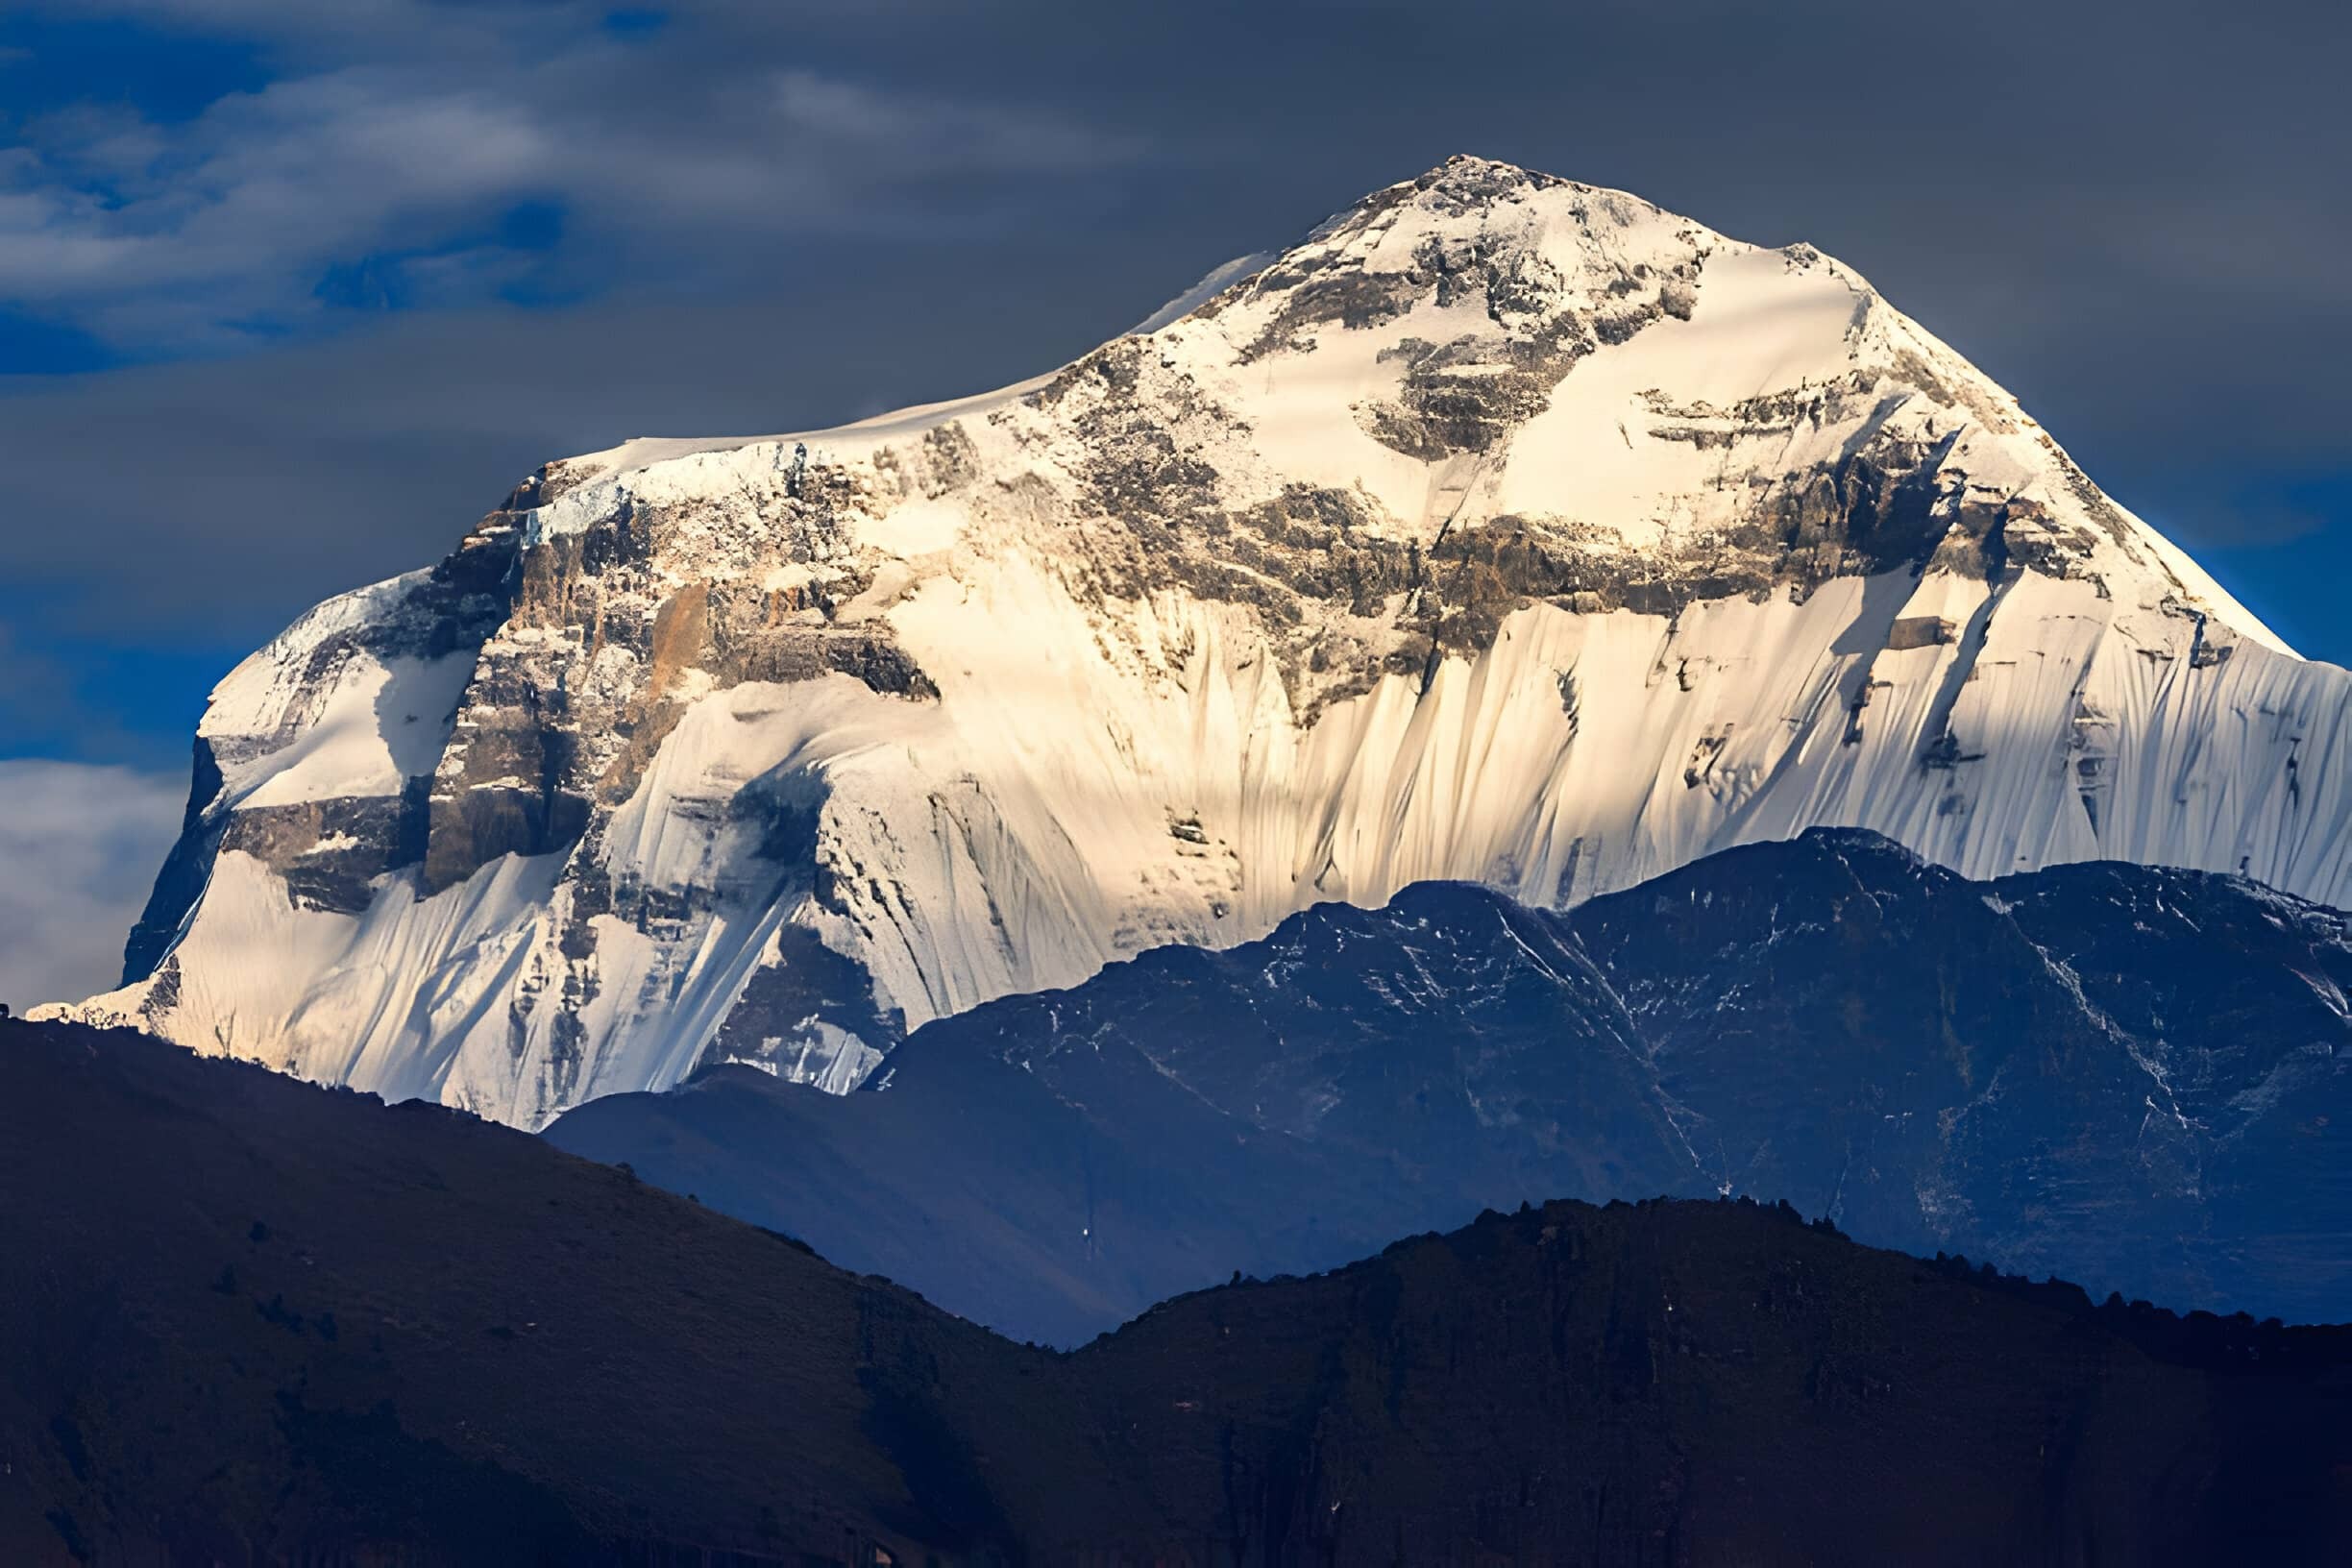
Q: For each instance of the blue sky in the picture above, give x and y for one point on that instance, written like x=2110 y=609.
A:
x=291 y=292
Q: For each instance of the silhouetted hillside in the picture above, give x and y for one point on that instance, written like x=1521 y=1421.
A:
x=252 y=1320
x=251 y=1315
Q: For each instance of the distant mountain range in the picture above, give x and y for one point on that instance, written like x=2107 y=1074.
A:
x=2133 y=1078
x=1501 y=528
x=254 y=1321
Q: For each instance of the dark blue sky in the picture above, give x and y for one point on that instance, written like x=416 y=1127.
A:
x=290 y=292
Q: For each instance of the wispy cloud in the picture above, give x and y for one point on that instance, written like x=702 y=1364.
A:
x=405 y=133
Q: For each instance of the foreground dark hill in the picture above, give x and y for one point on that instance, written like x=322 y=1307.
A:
x=251 y=1318
x=255 y=1321
x=2135 y=1077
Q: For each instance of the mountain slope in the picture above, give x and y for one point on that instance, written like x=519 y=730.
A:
x=2135 y=1078
x=1505 y=530
x=273 y=1323
x=1052 y=1164
x=2132 y=1076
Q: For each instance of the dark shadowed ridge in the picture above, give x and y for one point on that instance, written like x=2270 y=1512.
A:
x=254 y=1321
x=2133 y=1077
x=1051 y=1164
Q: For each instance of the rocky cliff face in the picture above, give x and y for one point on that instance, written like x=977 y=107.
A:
x=1506 y=530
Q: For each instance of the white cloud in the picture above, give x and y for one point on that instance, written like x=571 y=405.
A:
x=405 y=131
x=78 y=848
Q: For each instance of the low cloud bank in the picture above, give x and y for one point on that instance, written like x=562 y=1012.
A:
x=78 y=848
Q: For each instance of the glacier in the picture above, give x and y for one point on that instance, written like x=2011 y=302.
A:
x=1504 y=528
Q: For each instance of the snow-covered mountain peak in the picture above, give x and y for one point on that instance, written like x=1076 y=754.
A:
x=1501 y=528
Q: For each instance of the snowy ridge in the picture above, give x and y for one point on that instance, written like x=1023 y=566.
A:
x=1507 y=530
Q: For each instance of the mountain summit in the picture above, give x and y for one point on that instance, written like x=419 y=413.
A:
x=1504 y=528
